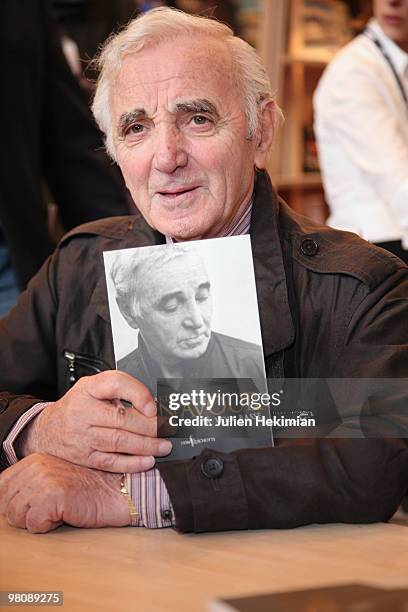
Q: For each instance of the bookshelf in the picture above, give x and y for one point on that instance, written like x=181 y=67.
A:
x=297 y=39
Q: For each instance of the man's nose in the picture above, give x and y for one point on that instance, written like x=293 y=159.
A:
x=193 y=317
x=170 y=152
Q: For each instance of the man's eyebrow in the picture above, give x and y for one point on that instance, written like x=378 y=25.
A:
x=128 y=118
x=200 y=105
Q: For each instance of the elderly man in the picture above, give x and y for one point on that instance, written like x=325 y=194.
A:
x=165 y=293
x=188 y=113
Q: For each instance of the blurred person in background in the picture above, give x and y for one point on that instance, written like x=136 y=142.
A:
x=225 y=11
x=49 y=136
x=361 y=125
x=86 y=24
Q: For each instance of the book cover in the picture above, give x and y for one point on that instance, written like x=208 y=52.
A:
x=185 y=322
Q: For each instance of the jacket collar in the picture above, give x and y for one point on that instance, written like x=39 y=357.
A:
x=275 y=315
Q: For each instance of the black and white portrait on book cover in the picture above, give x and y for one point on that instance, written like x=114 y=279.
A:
x=185 y=310
x=185 y=318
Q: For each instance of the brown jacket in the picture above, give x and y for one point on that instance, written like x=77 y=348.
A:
x=330 y=305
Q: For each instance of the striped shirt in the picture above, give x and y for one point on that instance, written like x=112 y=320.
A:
x=147 y=489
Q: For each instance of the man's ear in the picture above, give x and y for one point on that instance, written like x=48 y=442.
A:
x=269 y=121
x=130 y=320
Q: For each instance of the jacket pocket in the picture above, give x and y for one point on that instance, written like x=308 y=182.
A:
x=83 y=365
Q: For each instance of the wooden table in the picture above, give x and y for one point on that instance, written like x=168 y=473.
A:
x=137 y=569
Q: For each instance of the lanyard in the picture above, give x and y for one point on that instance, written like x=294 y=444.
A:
x=385 y=55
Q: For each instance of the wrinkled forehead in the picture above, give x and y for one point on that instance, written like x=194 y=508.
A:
x=182 y=67
x=186 y=272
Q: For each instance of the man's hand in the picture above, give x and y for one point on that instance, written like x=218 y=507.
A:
x=90 y=426
x=41 y=492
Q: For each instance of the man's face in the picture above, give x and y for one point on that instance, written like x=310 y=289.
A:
x=392 y=16
x=175 y=310
x=180 y=134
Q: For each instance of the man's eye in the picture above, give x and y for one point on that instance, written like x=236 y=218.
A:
x=170 y=306
x=203 y=296
x=136 y=128
x=200 y=120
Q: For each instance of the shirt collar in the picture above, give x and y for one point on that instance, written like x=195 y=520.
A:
x=237 y=227
x=398 y=57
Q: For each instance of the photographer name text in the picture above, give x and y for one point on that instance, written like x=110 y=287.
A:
x=255 y=420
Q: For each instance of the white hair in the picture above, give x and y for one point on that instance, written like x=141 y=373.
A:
x=164 y=24
x=130 y=268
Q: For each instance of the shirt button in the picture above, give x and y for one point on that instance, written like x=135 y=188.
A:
x=166 y=515
x=309 y=247
x=212 y=468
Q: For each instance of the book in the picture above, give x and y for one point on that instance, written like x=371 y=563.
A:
x=343 y=598
x=185 y=322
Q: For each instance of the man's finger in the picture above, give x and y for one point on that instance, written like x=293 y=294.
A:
x=37 y=521
x=9 y=485
x=16 y=511
x=113 y=384
x=118 y=417
x=149 y=410
x=118 y=441
x=9 y=475
x=113 y=462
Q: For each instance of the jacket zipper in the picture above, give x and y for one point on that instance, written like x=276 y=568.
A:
x=93 y=364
